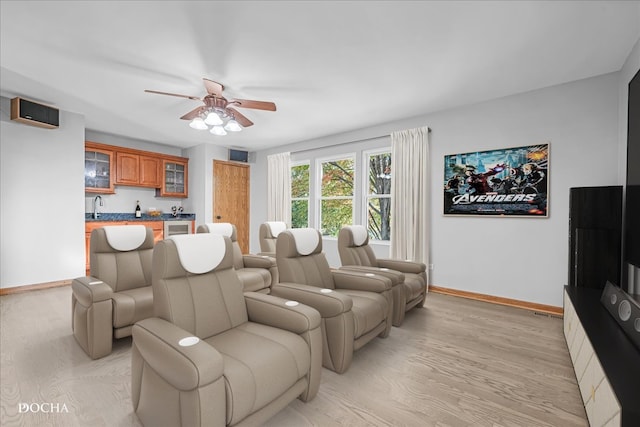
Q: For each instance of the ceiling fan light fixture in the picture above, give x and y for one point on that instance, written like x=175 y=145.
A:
x=218 y=130
x=218 y=110
x=233 y=126
x=222 y=113
x=213 y=119
x=198 y=123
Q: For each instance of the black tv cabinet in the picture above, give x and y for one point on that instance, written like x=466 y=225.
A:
x=606 y=363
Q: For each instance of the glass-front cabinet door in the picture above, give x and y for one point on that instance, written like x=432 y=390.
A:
x=174 y=181
x=98 y=170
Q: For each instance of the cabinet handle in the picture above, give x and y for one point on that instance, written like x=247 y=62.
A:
x=218 y=217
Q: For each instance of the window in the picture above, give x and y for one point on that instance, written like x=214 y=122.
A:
x=336 y=194
x=378 y=195
x=300 y=196
x=331 y=189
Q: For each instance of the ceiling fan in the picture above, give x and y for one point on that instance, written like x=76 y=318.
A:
x=218 y=110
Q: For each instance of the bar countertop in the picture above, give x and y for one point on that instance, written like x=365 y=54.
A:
x=106 y=216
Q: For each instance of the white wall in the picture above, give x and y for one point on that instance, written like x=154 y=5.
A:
x=201 y=179
x=42 y=210
x=519 y=258
x=524 y=258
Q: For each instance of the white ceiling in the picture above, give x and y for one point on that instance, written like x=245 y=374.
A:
x=330 y=66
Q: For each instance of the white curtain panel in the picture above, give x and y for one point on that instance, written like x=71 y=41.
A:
x=279 y=188
x=410 y=216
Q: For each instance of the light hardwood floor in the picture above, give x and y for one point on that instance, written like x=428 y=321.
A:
x=455 y=362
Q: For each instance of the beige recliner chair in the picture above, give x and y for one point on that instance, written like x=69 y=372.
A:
x=268 y=235
x=256 y=272
x=356 y=255
x=214 y=356
x=355 y=307
x=118 y=293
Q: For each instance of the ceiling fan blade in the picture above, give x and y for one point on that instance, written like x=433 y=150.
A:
x=193 y=113
x=173 y=94
x=257 y=105
x=242 y=120
x=213 y=88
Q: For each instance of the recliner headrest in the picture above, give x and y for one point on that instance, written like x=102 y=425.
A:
x=222 y=228
x=199 y=253
x=306 y=240
x=276 y=227
x=360 y=234
x=125 y=237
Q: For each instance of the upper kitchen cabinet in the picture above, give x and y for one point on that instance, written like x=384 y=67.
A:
x=138 y=170
x=99 y=167
x=174 y=183
x=107 y=166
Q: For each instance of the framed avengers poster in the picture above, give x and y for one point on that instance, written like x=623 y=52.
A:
x=503 y=182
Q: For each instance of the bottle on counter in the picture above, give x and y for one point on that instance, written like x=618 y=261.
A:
x=138 y=210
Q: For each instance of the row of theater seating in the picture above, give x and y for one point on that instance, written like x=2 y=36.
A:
x=210 y=350
x=356 y=254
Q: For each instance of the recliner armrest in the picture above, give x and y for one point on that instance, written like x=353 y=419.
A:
x=257 y=261
x=395 y=276
x=270 y=254
x=184 y=367
x=329 y=304
x=361 y=281
x=403 y=266
x=89 y=290
x=273 y=311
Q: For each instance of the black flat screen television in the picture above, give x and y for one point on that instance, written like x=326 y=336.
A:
x=632 y=199
x=632 y=231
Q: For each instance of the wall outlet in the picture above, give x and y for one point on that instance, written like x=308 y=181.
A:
x=430 y=266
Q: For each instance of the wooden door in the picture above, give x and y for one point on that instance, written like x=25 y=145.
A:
x=231 y=198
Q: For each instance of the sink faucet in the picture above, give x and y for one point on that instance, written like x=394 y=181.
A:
x=96 y=214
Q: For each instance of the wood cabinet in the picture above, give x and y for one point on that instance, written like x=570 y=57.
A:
x=107 y=166
x=127 y=168
x=150 y=171
x=137 y=170
x=174 y=178
x=156 y=226
x=99 y=168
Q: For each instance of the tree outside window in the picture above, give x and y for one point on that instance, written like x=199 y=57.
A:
x=379 y=196
x=300 y=196
x=336 y=195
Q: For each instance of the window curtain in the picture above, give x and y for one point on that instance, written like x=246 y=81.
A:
x=410 y=217
x=279 y=188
